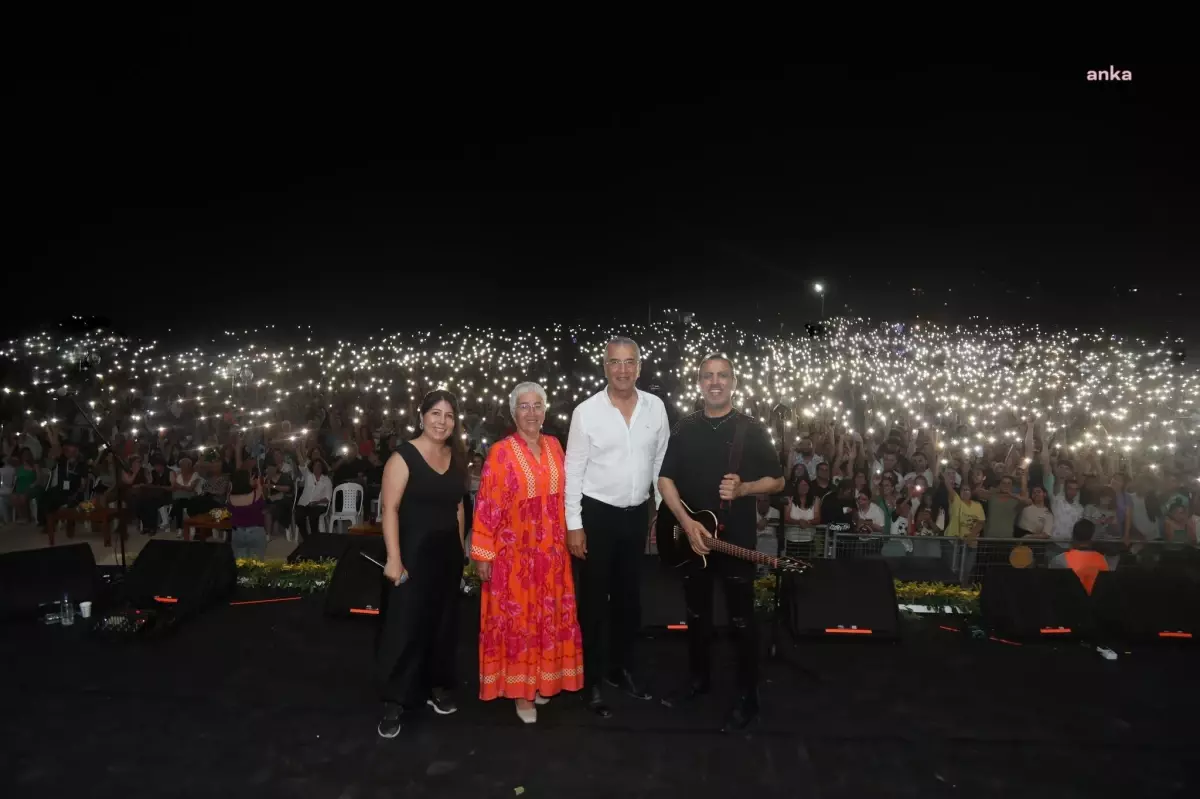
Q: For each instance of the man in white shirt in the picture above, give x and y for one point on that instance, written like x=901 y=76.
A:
x=921 y=468
x=1067 y=510
x=614 y=451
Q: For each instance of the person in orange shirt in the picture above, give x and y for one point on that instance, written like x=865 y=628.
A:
x=1081 y=558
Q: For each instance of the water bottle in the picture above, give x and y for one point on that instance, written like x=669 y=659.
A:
x=68 y=611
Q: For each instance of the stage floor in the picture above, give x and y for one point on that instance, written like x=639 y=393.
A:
x=277 y=700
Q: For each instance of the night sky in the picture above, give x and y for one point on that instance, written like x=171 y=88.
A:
x=198 y=198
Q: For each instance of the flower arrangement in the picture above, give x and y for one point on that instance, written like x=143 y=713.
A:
x=936 y=597
x=219 y=514
x=307 y=576
x=470 y=579
x=87 y=506
x=939 y=597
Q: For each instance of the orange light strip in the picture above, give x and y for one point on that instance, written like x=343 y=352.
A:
x=1003 y=641
x=365 y=611
x=266 y=601
x=1167 y=634
x=166 y=600
x=676 y=626
x=845 y=631
x=1055 y=630
x=948 y=629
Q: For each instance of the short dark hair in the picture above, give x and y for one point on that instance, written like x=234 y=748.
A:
x=714 y=356
x=240 y=482
x=1083 y=531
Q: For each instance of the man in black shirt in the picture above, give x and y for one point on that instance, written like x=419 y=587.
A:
x=697 y=470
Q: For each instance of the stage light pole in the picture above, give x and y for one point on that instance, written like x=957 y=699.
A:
x=820 y=289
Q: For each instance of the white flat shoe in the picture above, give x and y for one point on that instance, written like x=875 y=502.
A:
x=528 y=716
x=538 y=699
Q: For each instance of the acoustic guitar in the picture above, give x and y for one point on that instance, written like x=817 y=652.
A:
x=675 y=550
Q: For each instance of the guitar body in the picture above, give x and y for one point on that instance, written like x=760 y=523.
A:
x=673 y=547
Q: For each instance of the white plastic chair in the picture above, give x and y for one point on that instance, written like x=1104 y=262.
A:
x=292 y=533
x=351 y=506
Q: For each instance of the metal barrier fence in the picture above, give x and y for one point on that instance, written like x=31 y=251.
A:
x=967 y=562
x=947 y=559
x=993 y=553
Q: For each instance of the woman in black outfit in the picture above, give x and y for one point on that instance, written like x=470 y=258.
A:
x=422 y=498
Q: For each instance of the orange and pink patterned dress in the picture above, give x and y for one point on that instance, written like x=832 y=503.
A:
x=529 y=639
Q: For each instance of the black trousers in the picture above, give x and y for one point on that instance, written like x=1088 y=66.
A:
x=739 y=601
x=308 y=518
x=608 y=584
x=419 y=632
x=146 y=509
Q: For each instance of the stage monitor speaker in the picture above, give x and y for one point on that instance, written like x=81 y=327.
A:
x=663 y=605
x=356 y=588
x=184 y=576
x=841 y=598
x=33 y=577
x=1142 y=605
x=320 y=546
x=1036 y=603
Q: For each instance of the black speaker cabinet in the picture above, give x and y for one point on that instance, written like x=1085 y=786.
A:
x=321 y=546
x=356 y=588
x=33 y=577
x=1142 y=605
x=1036 y=603
x=186 y=576
x=843 y=598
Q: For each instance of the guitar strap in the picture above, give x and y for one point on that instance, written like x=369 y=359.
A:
x=741 y=424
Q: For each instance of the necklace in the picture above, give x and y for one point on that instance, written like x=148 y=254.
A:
x=724 y=419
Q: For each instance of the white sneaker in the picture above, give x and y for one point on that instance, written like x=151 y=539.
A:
x=529 y=716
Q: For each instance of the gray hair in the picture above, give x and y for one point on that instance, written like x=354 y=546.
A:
x=624 y=341
x=525 y=388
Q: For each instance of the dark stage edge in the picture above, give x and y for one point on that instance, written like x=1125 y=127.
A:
x=277 y=700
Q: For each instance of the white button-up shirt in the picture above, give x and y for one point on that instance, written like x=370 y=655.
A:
x=611 y=461
x=1065 y=516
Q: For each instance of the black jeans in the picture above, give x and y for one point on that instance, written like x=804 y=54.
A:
x=608 y=584
x=739 y=600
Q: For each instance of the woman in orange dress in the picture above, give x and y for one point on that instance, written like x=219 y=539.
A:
x=530 y=646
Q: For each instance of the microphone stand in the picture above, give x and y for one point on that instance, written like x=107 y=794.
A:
x=123 y=467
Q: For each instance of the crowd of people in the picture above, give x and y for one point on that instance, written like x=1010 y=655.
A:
x=1012 y=489
x=512 y=450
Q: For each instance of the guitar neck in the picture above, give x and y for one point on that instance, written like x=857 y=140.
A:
x=733 y=550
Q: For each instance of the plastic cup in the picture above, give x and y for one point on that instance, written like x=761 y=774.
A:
x=85 y=609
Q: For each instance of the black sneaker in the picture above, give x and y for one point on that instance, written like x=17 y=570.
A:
x=442 y=704
x=389 y=725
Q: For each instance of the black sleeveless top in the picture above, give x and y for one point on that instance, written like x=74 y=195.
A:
x=430 y=501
